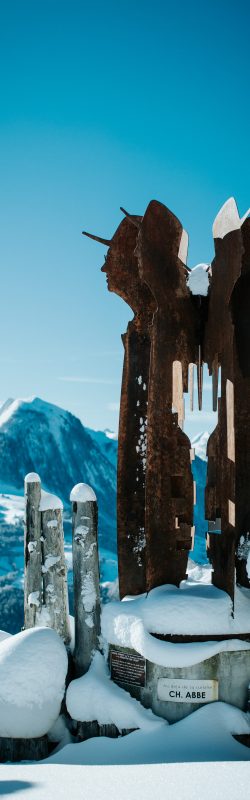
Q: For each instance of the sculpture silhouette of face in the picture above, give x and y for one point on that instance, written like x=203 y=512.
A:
x=121 y=268
x=157 y=249
x=120 y=263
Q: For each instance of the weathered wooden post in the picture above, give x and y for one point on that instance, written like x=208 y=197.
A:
x=32 y=550
x=54 y=572
x=86 y=575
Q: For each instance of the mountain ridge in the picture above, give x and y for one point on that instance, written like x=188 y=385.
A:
x=37 y=436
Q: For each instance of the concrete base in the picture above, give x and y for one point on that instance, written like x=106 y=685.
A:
x=230 y=669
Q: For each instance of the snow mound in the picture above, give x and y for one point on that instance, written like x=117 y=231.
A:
x=4 y=635
x=205 y=735
x=95 y=697
x=195 y=607
x=198 y=280
x=33 y=667
x=82 y=493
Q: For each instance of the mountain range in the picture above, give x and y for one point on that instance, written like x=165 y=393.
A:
x=36 y=436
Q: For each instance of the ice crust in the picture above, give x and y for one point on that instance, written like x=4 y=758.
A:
x=33 y=667
x=82 y=493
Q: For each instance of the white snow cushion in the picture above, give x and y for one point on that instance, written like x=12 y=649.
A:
x=33 y=667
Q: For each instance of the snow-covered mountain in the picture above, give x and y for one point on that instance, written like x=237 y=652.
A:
x=199 y=442
x=36 y=436
x=107 y=441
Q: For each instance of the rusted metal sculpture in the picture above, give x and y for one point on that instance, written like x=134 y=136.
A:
x=227 y=345
x=169 y=482
x=121 y=267
x=172 y=330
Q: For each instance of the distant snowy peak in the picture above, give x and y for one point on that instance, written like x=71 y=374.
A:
x=37 y=436
x=199 y=442
x=110 y=434
x=11 y=407
x=107 y=441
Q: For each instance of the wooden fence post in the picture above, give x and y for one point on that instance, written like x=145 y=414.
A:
x=86 y=575
x=54 y=572
x=32 y=550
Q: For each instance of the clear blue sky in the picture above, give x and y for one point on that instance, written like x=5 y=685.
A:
x=105 y=105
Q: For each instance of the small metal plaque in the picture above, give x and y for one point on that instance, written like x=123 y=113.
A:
x=127 y=668
x=185 y=691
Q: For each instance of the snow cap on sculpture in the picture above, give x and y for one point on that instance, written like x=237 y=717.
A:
x=82 y=493
x=228 y=219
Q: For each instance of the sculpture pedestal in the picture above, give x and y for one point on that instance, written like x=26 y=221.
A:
x=174 y=693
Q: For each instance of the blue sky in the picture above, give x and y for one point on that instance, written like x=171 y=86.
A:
x=102 y=106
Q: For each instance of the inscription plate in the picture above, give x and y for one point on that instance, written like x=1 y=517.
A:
x=185 y=691
x=127 y=668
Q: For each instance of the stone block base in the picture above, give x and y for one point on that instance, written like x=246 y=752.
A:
x=230 y=669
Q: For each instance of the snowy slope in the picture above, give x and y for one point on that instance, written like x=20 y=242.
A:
x=107 y=441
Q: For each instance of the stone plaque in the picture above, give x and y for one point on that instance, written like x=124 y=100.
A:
x=127 y=668
x=185 y=691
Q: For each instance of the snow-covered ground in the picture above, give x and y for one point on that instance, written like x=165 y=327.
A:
x=182 y=781
x=195 y=759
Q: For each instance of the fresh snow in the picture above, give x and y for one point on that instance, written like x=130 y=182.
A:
x=50 y=561
x=205 y=735
x=33 y=667
x=198 y=280
x=49 y=502
x=95 y=697
x=228 y=219
x=182 y=781
x=32 y=477
x=33 y=599
x=195 y=607
x=82 y=493
x=4 y=635
x=194 y=759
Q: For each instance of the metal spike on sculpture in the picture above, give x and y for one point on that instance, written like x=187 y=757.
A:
x=178 y=324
